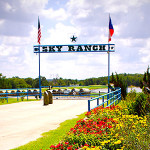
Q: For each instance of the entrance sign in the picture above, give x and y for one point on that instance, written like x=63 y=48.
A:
x=74 y=48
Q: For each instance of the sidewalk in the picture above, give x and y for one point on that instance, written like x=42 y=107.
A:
x=23 y=122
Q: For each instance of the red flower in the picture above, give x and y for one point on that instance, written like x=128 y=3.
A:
x=52 y=146
x=69 y=148
x=58 y=145
x=88 y=114
x=66 y=143
x=109 y=126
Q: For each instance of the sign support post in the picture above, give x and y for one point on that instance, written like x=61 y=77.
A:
x=40 y=94
x=108 y=67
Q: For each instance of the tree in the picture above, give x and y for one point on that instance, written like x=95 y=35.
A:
x=141 y=105
x=4 y=84
x=29 y=81
x=36 y=83
x=119 y=81
x=145 y=84
x=44 y=82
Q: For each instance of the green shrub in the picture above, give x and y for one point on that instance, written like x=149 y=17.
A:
x=2 y=100
x=131 y=96
x=140 y=106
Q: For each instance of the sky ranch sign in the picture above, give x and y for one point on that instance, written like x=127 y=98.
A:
x=74 y=48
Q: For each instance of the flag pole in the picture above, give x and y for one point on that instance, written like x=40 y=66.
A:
x=108 y=59
x=108 y=67
x=40 y=96
x=111 y=31
x=39 y=38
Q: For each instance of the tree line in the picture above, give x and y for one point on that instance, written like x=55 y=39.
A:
x=16 y=82
x=130 y=79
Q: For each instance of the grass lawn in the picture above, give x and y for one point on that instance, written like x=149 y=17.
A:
x=90 y=87
x=97 y=87
x=44 y=89
x=51 y=137
x=14 y=100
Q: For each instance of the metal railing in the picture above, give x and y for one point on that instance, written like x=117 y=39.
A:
x=20 y=92
x=107 y=99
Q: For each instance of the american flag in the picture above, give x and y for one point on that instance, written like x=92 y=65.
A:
x=111 y=30
x=39 y=31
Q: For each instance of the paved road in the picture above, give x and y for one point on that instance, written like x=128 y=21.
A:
x=26 y=121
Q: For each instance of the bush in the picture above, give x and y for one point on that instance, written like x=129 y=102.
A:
x=107 y=128
x=3 y=100
x=114 y=127
x=140 y=106
x=131 y=96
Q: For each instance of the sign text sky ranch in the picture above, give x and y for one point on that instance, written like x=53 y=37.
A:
x=74 y=48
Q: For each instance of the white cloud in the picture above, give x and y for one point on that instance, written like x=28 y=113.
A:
x=2 y=21
x=88 y=20
x=17 y=56
x=145 y=52
x=61 y=34
x=78 y=67
x=59 y=14
x=111 y=6
x=33 y=6
x=5 y=50
x=8 y=7
x=119 y=6
x=79 y=9
x=81 y=4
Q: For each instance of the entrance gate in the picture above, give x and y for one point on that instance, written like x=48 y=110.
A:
x=76 y=48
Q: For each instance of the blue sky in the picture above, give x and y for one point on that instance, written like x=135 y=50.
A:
x=88 y=20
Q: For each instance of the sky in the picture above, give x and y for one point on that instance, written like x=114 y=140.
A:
x=61 y=19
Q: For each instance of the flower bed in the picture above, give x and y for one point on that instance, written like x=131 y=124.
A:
x=107 y=128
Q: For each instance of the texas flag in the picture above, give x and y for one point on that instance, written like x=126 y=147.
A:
x=111 y=29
